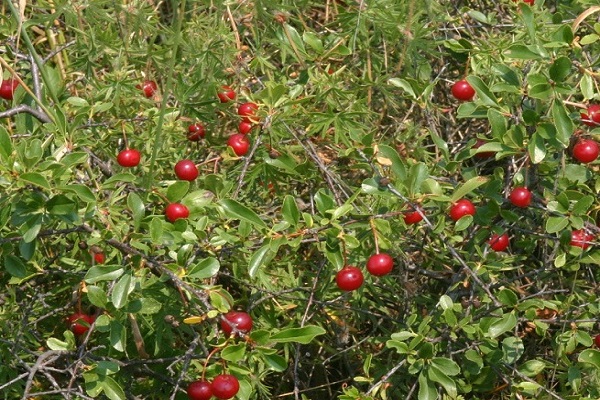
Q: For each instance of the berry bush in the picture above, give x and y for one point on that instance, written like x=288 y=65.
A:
x=299 y=199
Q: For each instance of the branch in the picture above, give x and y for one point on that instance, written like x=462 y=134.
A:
x=23 y=108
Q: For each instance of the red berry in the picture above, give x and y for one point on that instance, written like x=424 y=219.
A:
x=245 y=127
x=461 y=208
x=520 y=197
x=199 y=390
x=592 y=117
x=581 y=238
x=586 y=151
x=79 y=323
x=412 y=217
x=349 y=278
x=463 y=91
x=380 y=264
x=186 y=170
x=148 y=87
x=196 y=132
x=175 y=211
x=8 y=87
x=225 y=386
x=499 y=242
x=248 y=112
x=99 y=258
x=597 y=340
x=226 y=94
x=484 y=154
x=129 y=158
x=239 y=143
x=241 y=320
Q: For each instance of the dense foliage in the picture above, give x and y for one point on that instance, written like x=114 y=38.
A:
x=144 y=246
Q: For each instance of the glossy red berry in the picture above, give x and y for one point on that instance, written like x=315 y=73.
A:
x=129 y=158
x=581 y=238
x=199 y=390
x=349 y=278
x=412 y=217
x=597 y=340
x=226 y=94
x=484 y=154
x=241 y=320
x=380 y=264
x=99 y=258
x=520 y=197
x=79 y=323
x=461 y=208
x=175 y=211
x=225 y=386
x=239 y=143
x=499 y=242
x=586 y=151
x=248 y=112
x=245 y=127
x=462 y=90
x=196 y=132
x=592 y=117
x=148 y=87
x=8 y=87
x=186 y=170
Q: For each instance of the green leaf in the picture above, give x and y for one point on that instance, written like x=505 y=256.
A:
x=562 y=122
x=260 y=257
x=417 y=174
x=59 y=345
x=6 y=148
x=556 y=224
x=590 y=356
x=15 y=266
x=468 y=187
x=403 y=84
x=275 y=362
x=447 y=365
x=537 y=148
x=206 y=268
x=290 y=211
x=313 y=40
x=97 y=296
x=427 y=390
x=112 y=389
x=177 y=190
x=121 y=291
x=82 y=192
x=513 y=349
x=135 y=204
x=484 y=94
x=502 y=325
x=303 y=335
x=533 y=367
x=397 y=165
x=586 y=84
x=582 y=205
x=522 y=52
x=560 y=69
x=99 y=273
x=234 y=352
x=439 y=375
x=233 y=209
x=35 y=179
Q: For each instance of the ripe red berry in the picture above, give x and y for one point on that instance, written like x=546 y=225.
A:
x=196 y=132
x=245 y=127
x=592 y=117
x=129 y=158
x=99 y=258
x=499 y=242
x=349 y=278
x=79 y=322
x=581 y=238
x=520 y=197
x=248 y=112
x=199 y=390
x=225 y=386
x=462 y=90
x=241 y=320
x=186 y=170
x=380 y=264
x=597 y=340
x=226 y=94
x=148 y=87
x=412 y=217
x=8 y=87
x=461 y=208
x=175 y=211
x=484 y=154
x=586 y=151
x=239 y=143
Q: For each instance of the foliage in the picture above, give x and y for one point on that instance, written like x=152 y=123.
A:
x=356 y=128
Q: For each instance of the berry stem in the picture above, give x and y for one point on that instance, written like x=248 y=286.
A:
x=375 y=238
